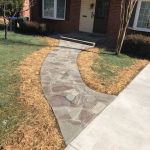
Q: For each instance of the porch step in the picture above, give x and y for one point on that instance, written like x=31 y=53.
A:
x=78 y=41
x=91 y=39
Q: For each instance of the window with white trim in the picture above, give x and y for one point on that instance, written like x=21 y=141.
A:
x=54 y=9
x=142 y=16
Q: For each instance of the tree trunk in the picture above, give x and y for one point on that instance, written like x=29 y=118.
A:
x=5 y=22
x=127 y=7
x=120 y=41
x=6 y=28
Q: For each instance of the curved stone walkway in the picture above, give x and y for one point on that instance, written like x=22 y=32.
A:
x=74 y=104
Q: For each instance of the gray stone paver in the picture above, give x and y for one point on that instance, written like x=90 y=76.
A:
x=74 y=104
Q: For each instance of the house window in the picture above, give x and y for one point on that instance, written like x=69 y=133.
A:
x=142 y=16
x=54 y=9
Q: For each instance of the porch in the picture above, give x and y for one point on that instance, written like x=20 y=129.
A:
x=93 y=39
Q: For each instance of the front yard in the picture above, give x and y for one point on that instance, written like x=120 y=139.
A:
x=26 y=122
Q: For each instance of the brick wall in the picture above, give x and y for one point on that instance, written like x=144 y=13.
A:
x=71 y=24
x=26 y=7
x=114 y=18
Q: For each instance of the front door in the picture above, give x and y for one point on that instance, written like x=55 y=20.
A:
x=87 y=15
x=101 y=16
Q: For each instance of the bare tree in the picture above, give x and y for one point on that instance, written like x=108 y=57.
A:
x=13 y=8
x=127 y=7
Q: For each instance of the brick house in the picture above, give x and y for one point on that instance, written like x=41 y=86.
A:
x=98 y=16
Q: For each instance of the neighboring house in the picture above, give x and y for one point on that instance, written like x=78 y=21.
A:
x=26 y=9
x=98 y=16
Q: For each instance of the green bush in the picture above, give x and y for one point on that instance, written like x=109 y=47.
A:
x=30 y=27
x=137 y=45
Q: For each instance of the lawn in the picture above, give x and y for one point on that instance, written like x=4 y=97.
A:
x=106 y=72
x=18 y=47
x=107 y=65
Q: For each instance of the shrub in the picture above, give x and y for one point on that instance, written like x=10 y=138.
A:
x=29 y=27
x=137 y=45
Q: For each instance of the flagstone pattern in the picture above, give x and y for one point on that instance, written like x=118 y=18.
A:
x=74 y=104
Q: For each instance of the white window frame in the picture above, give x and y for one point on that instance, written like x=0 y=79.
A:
x=137 y=17
x=55 y=12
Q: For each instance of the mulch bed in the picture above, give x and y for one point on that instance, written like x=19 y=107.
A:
x=40 y=129
x=96 y=83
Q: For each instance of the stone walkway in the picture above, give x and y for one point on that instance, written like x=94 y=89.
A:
x=74 y=104
x=124 y=124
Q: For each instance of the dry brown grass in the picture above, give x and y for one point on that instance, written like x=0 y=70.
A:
x=40 y=129
x=95 y=82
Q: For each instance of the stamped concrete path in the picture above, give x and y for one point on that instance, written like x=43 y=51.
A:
x=74 y=104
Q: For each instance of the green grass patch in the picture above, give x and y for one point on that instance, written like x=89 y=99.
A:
x=107 y=65
x=12 y=51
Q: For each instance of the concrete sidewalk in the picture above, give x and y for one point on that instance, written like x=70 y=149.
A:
x=124 y=124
